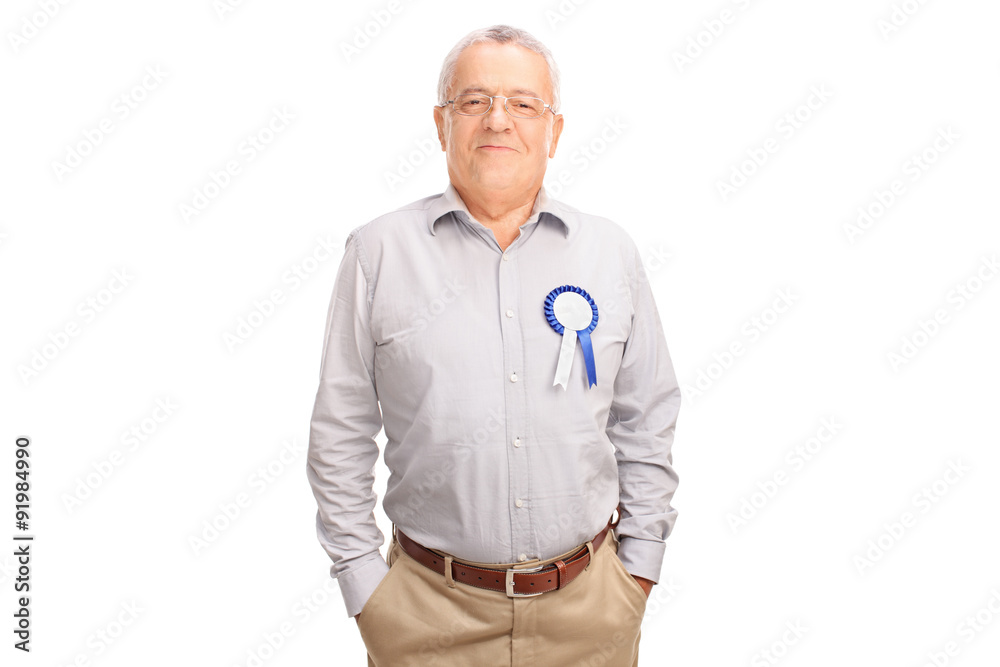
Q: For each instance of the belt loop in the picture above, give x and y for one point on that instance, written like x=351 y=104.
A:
x=448 y=578
x=560 y=573
x=590 y=548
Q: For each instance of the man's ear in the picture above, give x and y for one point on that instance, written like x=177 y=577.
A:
x=557 y=127
x=439 y=122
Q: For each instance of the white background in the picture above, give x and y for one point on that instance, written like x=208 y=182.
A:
x=672 y=132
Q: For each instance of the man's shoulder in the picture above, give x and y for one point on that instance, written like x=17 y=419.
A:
x=599 y=227
x=410 y=217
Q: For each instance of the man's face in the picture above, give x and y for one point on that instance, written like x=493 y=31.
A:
x=497 y=152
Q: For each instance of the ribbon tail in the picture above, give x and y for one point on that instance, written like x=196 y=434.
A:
x=588 y=357
x=566 y=351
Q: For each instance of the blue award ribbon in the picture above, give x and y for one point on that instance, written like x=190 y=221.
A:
x=574 y=316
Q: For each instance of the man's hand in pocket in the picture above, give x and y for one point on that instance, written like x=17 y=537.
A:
x=646 y=584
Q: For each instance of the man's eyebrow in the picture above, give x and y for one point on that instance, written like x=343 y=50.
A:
x=480 y=89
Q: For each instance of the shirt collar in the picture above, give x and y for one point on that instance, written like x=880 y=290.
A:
x=450 y=201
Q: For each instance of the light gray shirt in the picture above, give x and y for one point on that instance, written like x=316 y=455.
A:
x=488 y=460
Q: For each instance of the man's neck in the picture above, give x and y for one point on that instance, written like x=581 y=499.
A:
x=500 y=212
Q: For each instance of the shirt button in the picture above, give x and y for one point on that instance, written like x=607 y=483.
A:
x=518 y=502
x=510 y=313
x=506 y=258
x=522 y=557
x=513 y=377
x=517 y=442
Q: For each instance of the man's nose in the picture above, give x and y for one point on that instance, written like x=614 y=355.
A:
x=498 y=118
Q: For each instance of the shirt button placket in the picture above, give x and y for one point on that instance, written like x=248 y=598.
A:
x=515 y=394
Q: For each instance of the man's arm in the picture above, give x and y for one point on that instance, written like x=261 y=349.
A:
x=641 y=427
x=342 y=449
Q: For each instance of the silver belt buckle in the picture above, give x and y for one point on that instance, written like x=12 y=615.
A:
x=509 y=581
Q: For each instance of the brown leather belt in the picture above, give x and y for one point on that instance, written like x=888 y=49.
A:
x=520 y=582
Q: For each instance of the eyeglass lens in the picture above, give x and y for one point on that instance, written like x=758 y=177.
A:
x=474 y=104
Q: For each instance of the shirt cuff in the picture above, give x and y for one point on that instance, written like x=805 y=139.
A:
x=358 y=584
x=642 y=558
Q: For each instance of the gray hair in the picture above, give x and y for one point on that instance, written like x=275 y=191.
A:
x=500 y=34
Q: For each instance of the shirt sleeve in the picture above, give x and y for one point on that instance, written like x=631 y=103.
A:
x=342 y=449
x=641 y=426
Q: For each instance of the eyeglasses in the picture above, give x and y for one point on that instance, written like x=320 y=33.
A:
x=475 y=104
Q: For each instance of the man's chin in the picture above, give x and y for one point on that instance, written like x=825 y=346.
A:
x=500 y=180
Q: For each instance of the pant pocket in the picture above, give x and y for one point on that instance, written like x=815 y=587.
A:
x=630 y=581
x=373 y=601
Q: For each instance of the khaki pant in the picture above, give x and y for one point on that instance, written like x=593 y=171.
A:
x=415 y=618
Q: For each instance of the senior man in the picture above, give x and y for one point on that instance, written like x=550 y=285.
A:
x=526 y=392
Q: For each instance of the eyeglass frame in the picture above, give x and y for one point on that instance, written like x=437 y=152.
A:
x=506 y=110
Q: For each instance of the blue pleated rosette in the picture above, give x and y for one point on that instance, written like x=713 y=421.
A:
x=565 y=357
